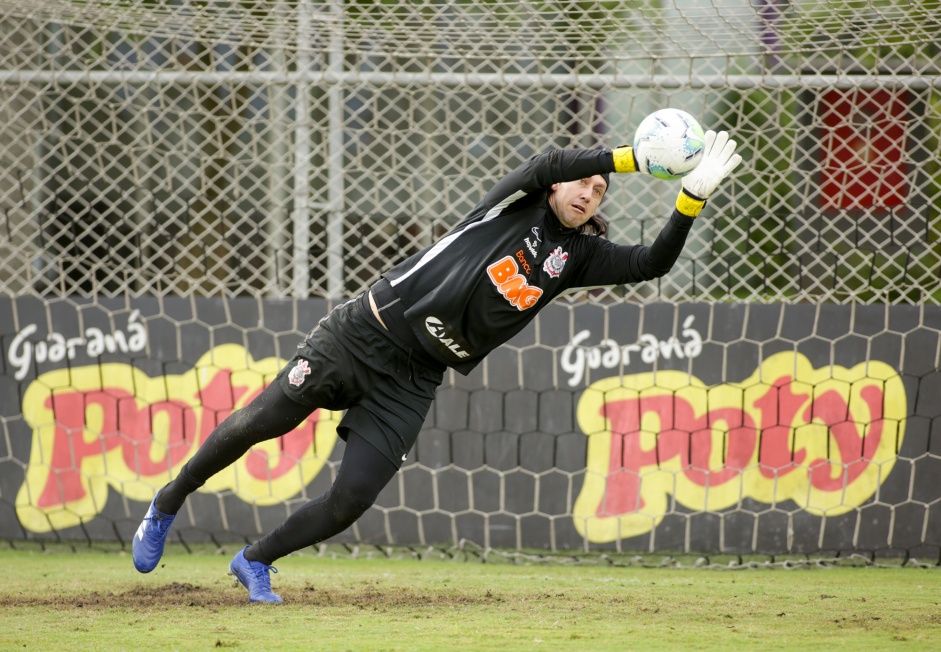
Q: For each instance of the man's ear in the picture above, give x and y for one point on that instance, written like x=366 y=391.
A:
x=554 y=187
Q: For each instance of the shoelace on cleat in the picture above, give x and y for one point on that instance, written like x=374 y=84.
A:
x=261 y=574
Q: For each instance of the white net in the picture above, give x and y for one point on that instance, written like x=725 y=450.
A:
x=181 y=180
x=299 y=148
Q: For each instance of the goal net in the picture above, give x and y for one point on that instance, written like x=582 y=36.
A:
x=187 y=186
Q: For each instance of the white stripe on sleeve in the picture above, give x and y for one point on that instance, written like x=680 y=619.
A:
x=443 y=243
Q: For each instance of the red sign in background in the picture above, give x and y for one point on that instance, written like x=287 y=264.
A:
x=863 y=148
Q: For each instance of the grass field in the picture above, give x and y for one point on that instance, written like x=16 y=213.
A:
x=94 y=600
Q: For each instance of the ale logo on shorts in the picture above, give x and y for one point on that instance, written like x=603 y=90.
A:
x=300 y=371
x=440 y=333
x=555 y=262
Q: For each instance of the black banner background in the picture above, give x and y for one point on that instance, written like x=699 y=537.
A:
x=502 y=457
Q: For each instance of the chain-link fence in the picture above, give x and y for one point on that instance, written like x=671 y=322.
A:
x=172 y=170
x=300 y=148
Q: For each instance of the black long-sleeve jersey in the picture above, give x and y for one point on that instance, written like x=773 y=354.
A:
x=486 y=279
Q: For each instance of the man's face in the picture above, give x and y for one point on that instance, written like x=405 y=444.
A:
x=574 y=202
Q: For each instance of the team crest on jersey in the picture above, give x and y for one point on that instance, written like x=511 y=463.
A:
x=555 y=262
x=300 y=372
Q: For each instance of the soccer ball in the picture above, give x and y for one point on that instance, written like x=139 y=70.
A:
x=668 y=144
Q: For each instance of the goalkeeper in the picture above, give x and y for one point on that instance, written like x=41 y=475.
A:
x=382 y=355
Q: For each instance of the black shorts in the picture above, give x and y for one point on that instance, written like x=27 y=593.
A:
x=350 y=362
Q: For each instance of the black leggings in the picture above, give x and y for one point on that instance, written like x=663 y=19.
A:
x=363 y=473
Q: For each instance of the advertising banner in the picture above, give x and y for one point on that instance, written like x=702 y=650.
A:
x=662 y=427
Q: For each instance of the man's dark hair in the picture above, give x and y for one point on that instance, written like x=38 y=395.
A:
x=596 y=225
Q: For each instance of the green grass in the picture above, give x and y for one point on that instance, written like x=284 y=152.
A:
x=94 y=600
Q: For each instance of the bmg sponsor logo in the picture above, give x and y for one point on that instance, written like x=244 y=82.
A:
x=512 y=285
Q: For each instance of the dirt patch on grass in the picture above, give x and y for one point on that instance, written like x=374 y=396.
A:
x=178 y=594
x=142 y=597
x=371 y=597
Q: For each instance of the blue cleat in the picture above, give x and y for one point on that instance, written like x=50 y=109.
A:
x=151 y=537
x=254 y=576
